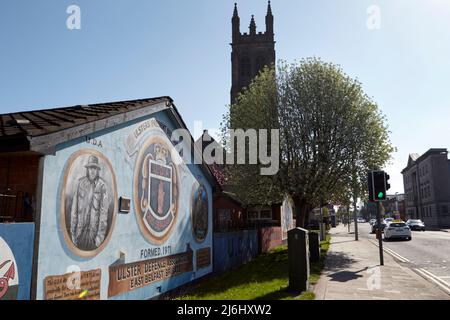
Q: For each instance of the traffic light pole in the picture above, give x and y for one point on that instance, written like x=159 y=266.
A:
x=379 y=234
x=355 y=218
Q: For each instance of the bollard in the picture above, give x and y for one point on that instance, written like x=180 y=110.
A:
x=298 y=255
x=314 y=247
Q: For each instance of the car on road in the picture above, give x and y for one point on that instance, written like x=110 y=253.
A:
x=416 y=225
x=374 y=226
x=397 y=229
x=361 y=220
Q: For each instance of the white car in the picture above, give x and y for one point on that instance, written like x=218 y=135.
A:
x=397 y=229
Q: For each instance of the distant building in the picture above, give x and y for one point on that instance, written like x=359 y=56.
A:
x=427 y=187
x=251 y=52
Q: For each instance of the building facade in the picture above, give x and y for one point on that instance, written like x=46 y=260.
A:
x=426 y=181
x=118 y=213
x=251 y=51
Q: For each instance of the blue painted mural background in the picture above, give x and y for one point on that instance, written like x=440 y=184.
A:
x=20 y=239
x=127 y=240
x=234 y=248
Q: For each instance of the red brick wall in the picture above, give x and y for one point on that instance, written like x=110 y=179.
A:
x=18 y=177
x=237 y=214
x=269 y=238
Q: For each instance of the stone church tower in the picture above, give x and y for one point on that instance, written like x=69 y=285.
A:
x=250 y=51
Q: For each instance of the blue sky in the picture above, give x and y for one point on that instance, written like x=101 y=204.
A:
x=130 y=49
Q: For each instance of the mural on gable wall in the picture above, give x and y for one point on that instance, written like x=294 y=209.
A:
x=88 y=202
x=153 y=249
x=9 y=275
x=199 y=212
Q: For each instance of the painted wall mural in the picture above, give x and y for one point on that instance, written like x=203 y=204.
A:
x=156 y=189
x=9 y=273
x=199 y=212
x=88 y=202
x=161 y=243
x=287 y=217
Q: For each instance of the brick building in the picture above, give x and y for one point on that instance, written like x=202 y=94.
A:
x=426 y=181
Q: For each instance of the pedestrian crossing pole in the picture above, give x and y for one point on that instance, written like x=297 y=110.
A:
x=377 y=183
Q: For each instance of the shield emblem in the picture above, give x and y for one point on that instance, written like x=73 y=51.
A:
x=160 y=189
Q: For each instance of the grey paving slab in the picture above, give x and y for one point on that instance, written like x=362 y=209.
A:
x=352 y=272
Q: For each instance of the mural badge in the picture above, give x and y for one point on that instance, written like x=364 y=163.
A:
x=9 y=279
x=199 y=212
x=156 y=189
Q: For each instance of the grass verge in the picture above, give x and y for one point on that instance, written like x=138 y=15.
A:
x=264 y=278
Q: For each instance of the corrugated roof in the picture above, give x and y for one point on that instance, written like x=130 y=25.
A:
x=42 y=122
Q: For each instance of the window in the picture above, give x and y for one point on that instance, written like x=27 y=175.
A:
x=246 y=67
x=260 y=63
x=260 y=214
x=223 y=220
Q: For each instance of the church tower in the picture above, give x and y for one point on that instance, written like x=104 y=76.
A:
x=251 y=51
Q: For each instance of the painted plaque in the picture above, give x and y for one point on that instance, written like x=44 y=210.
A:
x=199 y=212
x=74 y=286
x=128 y=277
x=156 y=189
x=88 y=202
x=203 y=258
x=9 y=276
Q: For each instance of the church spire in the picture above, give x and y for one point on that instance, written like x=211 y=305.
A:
x=235 y=13
x=269 y=20
x=269 y=9
x=252 y=26
x=236 y=23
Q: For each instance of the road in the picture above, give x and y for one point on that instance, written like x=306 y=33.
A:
x=427 y=253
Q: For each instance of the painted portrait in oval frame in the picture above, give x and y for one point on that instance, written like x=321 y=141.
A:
x=9 y=273
x=88 y=202
x=156 y=189
x=199 y=212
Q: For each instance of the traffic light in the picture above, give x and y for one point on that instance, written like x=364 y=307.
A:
x=387 y=177
x=378 y=185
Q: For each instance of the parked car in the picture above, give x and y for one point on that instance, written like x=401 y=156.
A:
x=361 y=220
x=397 y=229
x=374 y=226
x=416 y=225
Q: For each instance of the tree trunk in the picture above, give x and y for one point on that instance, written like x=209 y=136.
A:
x=300 y=211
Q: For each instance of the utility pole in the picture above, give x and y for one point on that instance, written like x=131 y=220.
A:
x=355 y=218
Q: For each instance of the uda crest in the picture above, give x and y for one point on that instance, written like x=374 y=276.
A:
x=156 y=189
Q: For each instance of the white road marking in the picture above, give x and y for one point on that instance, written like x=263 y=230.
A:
x=428 y=275
x=392 y=291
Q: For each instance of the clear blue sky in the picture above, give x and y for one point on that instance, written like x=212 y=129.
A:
x=130 y=49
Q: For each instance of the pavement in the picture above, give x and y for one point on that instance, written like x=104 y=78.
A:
x=353 y=272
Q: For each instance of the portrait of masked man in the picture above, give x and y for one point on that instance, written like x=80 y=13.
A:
x=89 y=211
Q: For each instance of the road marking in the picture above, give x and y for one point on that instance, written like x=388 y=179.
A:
x=428 y=275
x=392 y=291
x=391 y=252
